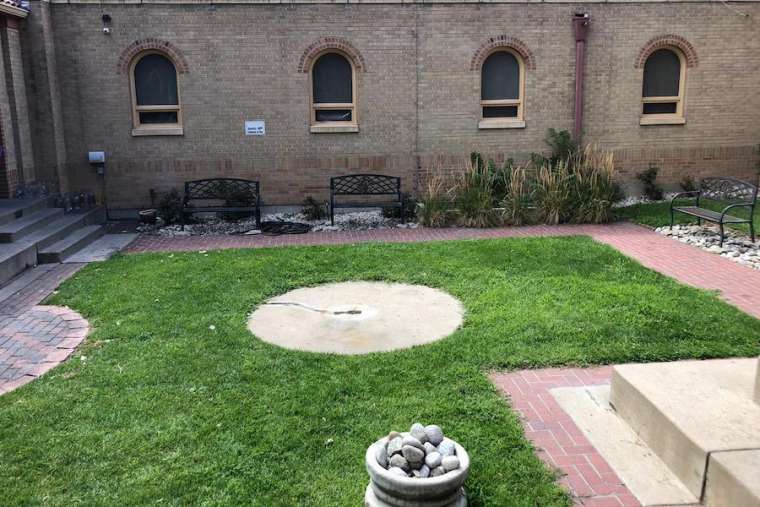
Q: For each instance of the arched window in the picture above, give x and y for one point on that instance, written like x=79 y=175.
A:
x=155 y=95
x=502 y=83
x=333 y=96
x=663 y=87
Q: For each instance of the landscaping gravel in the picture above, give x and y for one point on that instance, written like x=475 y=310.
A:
x=736 y=246
x=348 y=221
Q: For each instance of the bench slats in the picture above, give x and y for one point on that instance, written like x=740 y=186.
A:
x=235 y=190
x=707 y=214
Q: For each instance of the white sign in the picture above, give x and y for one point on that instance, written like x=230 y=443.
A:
x=255 y=128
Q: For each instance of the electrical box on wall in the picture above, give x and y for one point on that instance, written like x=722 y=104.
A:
x=97 y=157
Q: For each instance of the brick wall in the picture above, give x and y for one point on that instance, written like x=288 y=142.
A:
x=418 y=97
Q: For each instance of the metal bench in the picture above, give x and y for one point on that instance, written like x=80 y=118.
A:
x=365 y=184
x=738 y=193
x=230 y=195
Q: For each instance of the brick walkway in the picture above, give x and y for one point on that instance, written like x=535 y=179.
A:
x=737 y=284
x=34 y=338
x=558 y=441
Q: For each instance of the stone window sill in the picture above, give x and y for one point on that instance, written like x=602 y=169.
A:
x=662 y=120
x=500 y=124
x=157 y=131
x=333 y=128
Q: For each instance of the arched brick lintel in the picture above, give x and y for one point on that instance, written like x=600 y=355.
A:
x=163 y=46
x=664 y=41
x=325 y=43
x=502 y=41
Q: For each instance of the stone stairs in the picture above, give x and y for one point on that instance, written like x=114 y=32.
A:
x=32 y=232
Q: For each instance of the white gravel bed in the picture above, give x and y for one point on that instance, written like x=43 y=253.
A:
x=736 y=246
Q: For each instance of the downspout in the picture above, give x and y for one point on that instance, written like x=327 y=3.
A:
x=581 y=22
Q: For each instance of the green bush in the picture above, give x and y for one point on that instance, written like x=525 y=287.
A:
x=435 y=199
x=518 y=197
x=170 y=207
x=474 y=195
x=553 y=193
x=648 y=178
x=313 y=210
x=594 y=189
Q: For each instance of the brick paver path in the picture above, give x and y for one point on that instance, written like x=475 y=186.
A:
x=34 y=338
x=558 y=441
x=737 y=284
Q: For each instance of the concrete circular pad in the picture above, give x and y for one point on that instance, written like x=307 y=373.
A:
x=357 y=317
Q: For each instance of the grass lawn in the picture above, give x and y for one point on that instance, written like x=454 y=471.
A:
x=165 y=410
x=657 y=214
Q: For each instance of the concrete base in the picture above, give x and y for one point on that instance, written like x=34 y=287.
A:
x=371 y=500
x=357 y=317
x=687 y=410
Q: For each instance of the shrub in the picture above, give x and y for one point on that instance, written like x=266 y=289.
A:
x=648 y=178
x=410 y=209
x=688 y=184
x=517 y=197
x=170 y=207
x=435 y=199
x=552 y=193
x=563 y=148
x=312 y=209
x=474 y=196
x=593 y=186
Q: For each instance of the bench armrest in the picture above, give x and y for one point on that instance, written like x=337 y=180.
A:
x=738 y=205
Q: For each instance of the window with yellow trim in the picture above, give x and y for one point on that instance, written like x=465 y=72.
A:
x=155 y=93
x=502 y=88
x=333 y=91
x=663 y=87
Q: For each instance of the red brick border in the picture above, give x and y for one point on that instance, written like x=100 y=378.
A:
x=664 y=41
x=319 y=46
x=38 y=340
x=163 y=46
x=502 y=41
x=557 y=439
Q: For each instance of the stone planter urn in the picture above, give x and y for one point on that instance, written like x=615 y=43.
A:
x=388 y=489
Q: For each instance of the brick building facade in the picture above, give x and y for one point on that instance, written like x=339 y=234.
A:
x=417 y=71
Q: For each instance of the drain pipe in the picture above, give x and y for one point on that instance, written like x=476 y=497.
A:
x=581 y=22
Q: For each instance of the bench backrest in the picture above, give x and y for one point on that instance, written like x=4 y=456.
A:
x=231 y=190
x=365 y=184
x=728 y=189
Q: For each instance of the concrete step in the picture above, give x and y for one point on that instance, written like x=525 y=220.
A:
x=687 y=410
x=11 y=209
x=640 y=469
x=19 y=255
x=60 y=250
x=15 y=258
x=27 y=223
x=732 y=479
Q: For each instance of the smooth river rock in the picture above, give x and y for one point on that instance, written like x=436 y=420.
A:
x=433 y=459
x=434 y=434
x=450 y=463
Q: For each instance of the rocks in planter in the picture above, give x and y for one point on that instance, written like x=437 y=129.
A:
x=446 y=448
x=413 y=454
x=418 y=431
x=433 y=459
x=434 y=434
x=421 y=453
x=450 y=463
x=399 y=461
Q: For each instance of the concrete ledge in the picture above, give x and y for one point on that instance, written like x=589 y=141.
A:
x=688 y=409
x=732 y=479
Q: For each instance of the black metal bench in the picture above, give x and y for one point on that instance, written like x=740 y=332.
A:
x=738 y=193
x=365 y=184
x=233 y=195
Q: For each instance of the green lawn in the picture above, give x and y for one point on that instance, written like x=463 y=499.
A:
x=166 y=410
x=657 y=214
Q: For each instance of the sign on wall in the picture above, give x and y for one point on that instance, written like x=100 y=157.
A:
x=255 y=128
